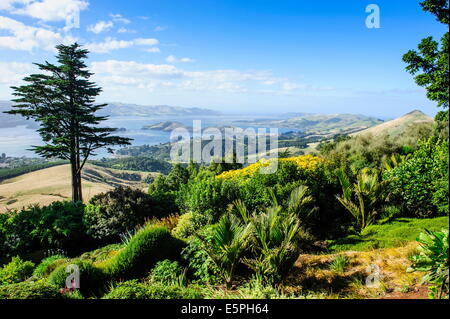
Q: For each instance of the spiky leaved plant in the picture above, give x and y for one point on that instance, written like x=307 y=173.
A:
x=226 y=245
x=363 y=198
x=274 y=233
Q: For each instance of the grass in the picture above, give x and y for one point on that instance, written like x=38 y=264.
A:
x=53 y=184
x=315 y=275
x=397 y=126
x=393 y=234
x=339 y=264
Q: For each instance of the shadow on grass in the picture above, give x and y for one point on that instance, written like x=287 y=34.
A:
x=331 y=282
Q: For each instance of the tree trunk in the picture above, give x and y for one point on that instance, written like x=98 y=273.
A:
x=75 y=180
x=80 y=190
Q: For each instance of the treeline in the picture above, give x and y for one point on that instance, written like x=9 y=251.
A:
x=136 y=163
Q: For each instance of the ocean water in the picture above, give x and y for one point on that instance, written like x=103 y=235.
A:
x=17 y=141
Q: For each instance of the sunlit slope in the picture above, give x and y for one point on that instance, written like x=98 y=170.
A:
x=399 y=125
x=53 y=184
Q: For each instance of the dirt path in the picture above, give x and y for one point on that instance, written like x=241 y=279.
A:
x=415 y=293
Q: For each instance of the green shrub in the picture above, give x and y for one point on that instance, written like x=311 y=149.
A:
x=433 y=259
x=102 y=253
x=135 y=163
x=92 y=279
x=185 y=226
x=227 y=245
x=421 y=182
x=16 y=271
x=206 y=198
x=56 y=226
x=164 y=189
x=367 y=150
x=364 y=198
x=200 y=266
x=30 y=290
x=47 y=265
x=136 y=290
x=113 y=213
x=167 y=272
x=144 y=250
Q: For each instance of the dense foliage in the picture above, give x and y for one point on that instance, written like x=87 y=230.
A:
x=421 y=182
x=111 y=214
x=148 y=246
x=366 y=150
x=364 y=198
x=136 y=163
x=56 y=226
x=433 y=259
x=137 y=290
x=48 y=265
x=91 y=282
x=167 y=272
x=31 y=290
x=16 y=271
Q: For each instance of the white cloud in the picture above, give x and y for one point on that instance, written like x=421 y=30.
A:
x=108 y=45
x=48 y=10
x=27 y=38
x=138 y=71
x=174 y=59
x=144 y=41
x=113 y=73
x=125 y=30
x=9 y=4
x=111 y=44
x=100 y=26
x=153 y=50
x=13 y=72
x=119 y=18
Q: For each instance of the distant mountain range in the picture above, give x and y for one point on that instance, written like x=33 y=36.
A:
x=113 y=109
x=9 y=121
x=322 y=124
x=122 y=109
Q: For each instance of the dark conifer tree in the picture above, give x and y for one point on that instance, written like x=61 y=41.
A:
x=62 y=100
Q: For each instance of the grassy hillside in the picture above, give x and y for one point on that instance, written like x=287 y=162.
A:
x=392 y=234
x=53 y=184
x=398 y=126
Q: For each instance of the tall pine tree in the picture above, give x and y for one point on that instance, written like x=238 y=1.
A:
x=62 y=100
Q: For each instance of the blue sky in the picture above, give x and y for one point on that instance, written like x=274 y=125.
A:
x=234 y=56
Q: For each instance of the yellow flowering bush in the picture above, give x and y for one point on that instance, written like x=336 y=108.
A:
x=307 y=162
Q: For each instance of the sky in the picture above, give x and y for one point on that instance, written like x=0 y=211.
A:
x=238 y=56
